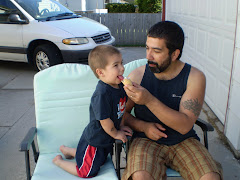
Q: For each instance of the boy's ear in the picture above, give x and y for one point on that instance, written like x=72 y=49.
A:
x=175 y=54
x=99 y=72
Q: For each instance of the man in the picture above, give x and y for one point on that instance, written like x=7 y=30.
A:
x=167 y=104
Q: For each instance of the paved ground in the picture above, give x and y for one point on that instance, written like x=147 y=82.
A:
x=17 y=116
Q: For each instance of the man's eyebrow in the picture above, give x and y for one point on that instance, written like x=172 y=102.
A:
x=156 y=48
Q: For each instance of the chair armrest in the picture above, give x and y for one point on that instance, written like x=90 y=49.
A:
x=25 y=146
x=118 y=149
x=204 y=125
x=117 y=141
x=28 y=139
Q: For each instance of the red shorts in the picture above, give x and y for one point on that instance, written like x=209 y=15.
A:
x=89 y=159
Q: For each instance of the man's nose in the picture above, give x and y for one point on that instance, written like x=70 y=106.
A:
x=149 y=54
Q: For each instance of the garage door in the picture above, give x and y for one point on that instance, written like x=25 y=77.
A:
x=209 y=28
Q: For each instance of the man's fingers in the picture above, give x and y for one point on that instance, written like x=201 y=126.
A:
x=163 y=134
x=160 y=133
x=126 y=129
x=135 y=84
x=127 y=133
x=159 y=126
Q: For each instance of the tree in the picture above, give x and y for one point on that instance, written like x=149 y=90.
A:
x=149 y=6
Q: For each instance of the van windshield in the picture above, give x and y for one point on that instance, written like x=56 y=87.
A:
x=46 y=9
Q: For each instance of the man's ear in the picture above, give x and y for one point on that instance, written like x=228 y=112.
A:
x=175 y=54
x=99 y=72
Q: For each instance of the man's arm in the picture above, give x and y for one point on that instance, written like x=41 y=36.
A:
x=190 y=105
x=151 y=130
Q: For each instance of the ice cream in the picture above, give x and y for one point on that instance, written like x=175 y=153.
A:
x=125 y=80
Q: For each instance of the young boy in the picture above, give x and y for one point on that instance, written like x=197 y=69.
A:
x=106 y=111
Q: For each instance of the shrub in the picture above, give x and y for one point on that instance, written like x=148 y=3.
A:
x=149 y=6
x=120 y=8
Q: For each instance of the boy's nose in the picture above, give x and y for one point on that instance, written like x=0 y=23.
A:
x=123 y=68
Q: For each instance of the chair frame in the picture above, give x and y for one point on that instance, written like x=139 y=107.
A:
x=25 y=146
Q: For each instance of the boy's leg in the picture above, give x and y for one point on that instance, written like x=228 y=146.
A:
x=68 y=166
x=68 y=152
x=89 y=164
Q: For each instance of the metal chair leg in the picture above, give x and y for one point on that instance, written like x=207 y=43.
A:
x=27 y=162
x=118 y=151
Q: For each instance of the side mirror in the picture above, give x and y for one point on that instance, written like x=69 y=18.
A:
x=15 y=18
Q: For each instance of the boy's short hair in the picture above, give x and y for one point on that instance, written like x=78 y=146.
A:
x=98 y=57
x=171 y=32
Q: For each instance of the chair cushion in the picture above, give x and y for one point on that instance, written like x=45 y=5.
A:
x=172 y=173
x=129 y=67
x=62 y=96
x=46 y=170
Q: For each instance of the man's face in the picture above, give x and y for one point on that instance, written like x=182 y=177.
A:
x=157 y=55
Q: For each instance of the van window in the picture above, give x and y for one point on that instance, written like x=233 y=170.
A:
x=6 y=8
x=42 y=9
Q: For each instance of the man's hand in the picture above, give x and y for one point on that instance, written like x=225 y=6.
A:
x=138 y=94
x=154 y=131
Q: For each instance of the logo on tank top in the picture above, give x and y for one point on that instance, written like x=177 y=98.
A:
x=175 y=96
x=121 y=107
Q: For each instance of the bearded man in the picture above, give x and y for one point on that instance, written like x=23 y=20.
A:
x=167 y=96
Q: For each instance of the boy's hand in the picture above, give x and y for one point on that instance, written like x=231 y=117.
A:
x=127 y=130
x=121 y=136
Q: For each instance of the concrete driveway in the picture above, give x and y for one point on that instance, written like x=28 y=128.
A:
x=17 y=116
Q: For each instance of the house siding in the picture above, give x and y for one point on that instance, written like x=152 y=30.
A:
x=210 y=30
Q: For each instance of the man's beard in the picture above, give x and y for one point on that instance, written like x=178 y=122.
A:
x=160 y=68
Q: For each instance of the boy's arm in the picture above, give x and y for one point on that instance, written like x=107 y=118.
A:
x=109 y=128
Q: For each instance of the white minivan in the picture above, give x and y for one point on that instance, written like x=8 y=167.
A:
x=45 y=33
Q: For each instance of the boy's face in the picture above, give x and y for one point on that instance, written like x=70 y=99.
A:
x=113 y=69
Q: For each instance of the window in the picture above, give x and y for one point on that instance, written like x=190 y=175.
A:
x=7 y=8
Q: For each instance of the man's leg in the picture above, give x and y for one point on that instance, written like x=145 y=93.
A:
x=141 y=175
x=145 y=158
x=193 y=161
x=211 y=176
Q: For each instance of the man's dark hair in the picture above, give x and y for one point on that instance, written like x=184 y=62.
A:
x=171 y=32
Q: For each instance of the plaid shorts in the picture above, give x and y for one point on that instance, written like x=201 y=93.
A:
x=190 y=158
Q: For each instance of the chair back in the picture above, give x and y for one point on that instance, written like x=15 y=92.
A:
x=62 y=96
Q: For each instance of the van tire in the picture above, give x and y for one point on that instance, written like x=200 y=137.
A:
x=46 y=55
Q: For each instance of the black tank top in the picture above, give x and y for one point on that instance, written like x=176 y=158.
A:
x=168 y=92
